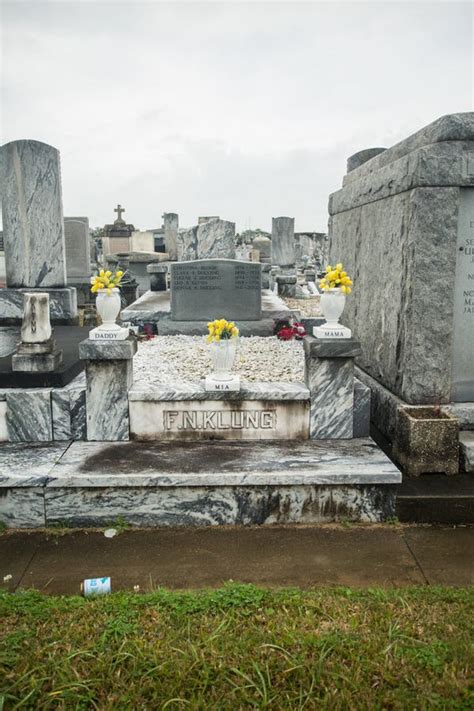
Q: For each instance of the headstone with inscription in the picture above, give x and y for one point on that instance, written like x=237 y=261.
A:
x=78 y=256
x=210 y=288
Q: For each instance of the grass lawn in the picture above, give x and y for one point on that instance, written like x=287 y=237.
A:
x=239 y=647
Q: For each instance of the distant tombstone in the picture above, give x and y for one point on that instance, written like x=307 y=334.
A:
x=32 y=215
x=78 y=257
x=187 y=244
x=215 y=288
x=216 y=239
x=170 y=227
x=283 y=241
x=264 y=247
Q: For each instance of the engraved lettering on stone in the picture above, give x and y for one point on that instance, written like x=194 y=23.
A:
x=219 y=420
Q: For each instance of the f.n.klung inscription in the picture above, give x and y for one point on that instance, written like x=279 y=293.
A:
x=202 y=420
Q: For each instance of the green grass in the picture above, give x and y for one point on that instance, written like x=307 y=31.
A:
x=239 y=647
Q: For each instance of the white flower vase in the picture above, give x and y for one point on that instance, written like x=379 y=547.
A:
x=223 y=357
x=332 y=305
x=108 y=308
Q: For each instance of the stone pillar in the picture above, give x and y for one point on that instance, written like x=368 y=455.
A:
x=33 y=228
x=157 y=274
x=329 y=375
x=171 y=226
x=286 y=285
x=283 y=241
x=37 y=351
x=109 y=377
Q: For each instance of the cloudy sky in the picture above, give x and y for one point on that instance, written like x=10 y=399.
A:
x=243 y=110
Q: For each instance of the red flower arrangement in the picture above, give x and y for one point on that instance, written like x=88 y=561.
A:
x=287 y=330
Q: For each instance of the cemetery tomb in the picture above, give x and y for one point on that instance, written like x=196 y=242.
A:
x=406 y=215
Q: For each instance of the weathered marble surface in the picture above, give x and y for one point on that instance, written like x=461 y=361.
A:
x=341 y=462
x=88 y=483
x=195 y=391
x=466 y=447
x=204 y=506
x=187 y=244
x=216 y=239
x=108 y=383
x=77 y=404
x=3 y=420
x=22 y=508
x=361 y=415
x=357 y=159
x=108 y=350
x=28 y=464
x=327 y=348
x=61 y=415
x=33 y=228
x=29 y=415
x=331 y=383
x=62 y=304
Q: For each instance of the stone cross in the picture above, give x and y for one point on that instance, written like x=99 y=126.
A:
x=119 y=209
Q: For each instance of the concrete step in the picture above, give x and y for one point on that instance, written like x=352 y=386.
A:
x=436 y=498
x=195 y=483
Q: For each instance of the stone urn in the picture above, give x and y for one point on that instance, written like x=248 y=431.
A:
x=426 y=441
x=223 y=358
x=332 y=304
x=108 y=307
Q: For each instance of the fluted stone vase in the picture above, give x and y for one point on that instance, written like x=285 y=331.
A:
x=223 y=358
x=108 y=308
x=332 y=305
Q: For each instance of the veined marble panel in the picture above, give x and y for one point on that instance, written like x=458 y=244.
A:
x=60 y=406
x=108 y=383
x=331 y=382
x=22 y=508
x=207 y=506
x=29 y=417
x=62 y=303
x=361 y=419
x=28 y=464
x=278 y=390
x=3 y=421
x=77 y=405
x=33 y=226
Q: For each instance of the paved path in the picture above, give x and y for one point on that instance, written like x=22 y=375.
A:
x=359 y=555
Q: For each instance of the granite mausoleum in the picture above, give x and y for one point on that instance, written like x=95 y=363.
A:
x=403 y=224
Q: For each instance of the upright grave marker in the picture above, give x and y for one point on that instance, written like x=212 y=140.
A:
x=211 y=288
x=78 y=254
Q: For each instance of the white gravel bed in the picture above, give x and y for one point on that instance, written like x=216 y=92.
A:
x=184 y=359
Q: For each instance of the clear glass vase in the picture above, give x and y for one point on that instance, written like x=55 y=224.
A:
x=223 y=358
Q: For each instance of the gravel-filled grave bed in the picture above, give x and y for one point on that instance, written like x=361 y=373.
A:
x=182 y=359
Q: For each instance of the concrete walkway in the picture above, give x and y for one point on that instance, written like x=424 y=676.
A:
x=56 y=561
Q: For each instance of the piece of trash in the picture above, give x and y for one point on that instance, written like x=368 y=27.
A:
x=136 y=588
x=6 y=578
x=110 y=532
x=96 y=586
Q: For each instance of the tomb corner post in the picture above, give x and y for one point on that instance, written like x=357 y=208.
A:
x=109 y=377
x=329 y=375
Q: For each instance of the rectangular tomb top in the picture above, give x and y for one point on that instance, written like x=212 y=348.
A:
x=206 y=289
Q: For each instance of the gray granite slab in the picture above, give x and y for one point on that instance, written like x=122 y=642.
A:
x=29 y=416
x=196 y=391
x=206 y=289
x=283 y=241
x=216 y=239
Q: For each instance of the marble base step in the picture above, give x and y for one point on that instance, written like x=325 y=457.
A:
x=189 y=484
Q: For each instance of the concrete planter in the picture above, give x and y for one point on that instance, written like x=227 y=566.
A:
x=426 y=442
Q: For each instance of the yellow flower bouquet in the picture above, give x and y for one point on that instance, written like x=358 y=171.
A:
x=336 y=278
x=106 y=280
x=221 y=330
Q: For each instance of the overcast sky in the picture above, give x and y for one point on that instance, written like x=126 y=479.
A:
x=243 y=110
